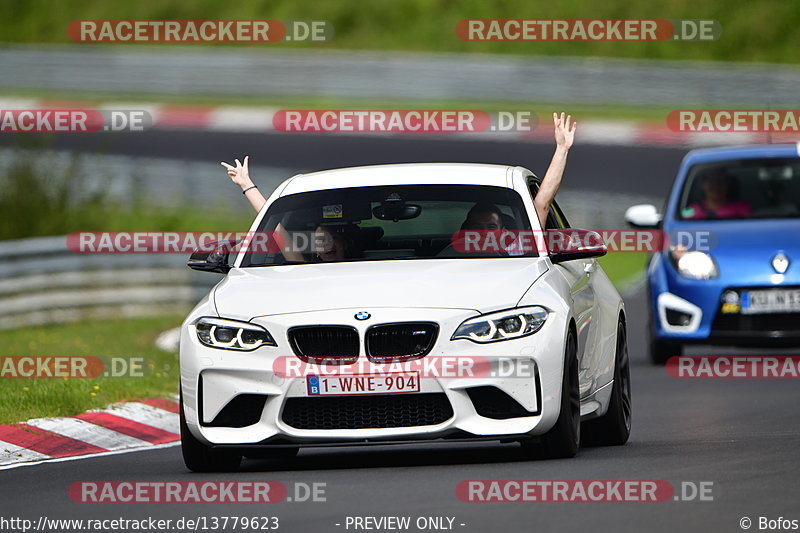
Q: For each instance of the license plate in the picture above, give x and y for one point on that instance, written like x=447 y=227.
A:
x=771 y=301
x=357 y=384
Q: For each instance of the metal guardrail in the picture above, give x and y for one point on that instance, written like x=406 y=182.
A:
x=42 y=281
x=392 y=75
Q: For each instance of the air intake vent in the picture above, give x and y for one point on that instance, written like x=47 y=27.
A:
x=491 y=402
x=361 y=412
x=244 y=410
x=401 y=341
x=335 y=345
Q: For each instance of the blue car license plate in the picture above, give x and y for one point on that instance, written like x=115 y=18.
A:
x=771 y=301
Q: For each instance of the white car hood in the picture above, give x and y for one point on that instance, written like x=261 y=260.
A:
x=478 y=284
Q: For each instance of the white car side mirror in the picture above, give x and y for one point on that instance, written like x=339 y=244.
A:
x=643 y=216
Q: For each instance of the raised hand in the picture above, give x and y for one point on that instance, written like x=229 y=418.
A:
x=564 y=130
x=239 y=174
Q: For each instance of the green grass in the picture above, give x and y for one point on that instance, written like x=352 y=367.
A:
x=623 y=267
x=751 y=31
x=118 y=217
x=22 y=399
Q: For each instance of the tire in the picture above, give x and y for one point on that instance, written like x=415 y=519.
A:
x=614 y=427
x=661 y=351
x=563 y=440
x=199 y=457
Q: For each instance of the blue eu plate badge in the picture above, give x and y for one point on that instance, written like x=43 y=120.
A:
x=313 y=385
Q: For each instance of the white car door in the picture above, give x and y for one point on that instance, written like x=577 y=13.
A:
x=579 y=274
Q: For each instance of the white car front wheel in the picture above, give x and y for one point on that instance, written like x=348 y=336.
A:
x=563 y=440
x=614 y=427
x=199 y=457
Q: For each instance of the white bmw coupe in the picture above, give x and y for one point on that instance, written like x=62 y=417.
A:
x=402 y=303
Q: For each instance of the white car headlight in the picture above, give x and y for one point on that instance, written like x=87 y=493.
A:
x=694 y=265
x=232 y=334
x=502 y=325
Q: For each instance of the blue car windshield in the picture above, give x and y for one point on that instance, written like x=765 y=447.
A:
x=741 y=189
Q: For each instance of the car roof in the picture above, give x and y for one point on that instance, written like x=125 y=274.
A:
x=743 y=152
x=401 y=174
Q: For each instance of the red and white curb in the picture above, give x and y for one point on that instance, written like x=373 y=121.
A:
x=259 y=119
x=122 y=427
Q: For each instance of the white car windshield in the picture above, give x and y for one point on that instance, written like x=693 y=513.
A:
x=392 y=222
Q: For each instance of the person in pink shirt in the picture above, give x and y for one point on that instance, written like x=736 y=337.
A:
x=717 y=201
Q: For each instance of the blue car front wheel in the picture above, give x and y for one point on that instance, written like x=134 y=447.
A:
x=661 y=350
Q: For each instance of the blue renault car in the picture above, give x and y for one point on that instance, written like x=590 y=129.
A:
x=730 y=272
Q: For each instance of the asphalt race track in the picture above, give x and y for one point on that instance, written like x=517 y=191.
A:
x=741 y=435
x=622 y=168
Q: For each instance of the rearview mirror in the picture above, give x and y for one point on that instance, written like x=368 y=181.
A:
x=212 y=258
x=571 y=244
x=393 y=207
x=406 y=212
x=643 y=216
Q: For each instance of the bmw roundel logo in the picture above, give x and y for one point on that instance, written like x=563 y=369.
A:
x=362 y=315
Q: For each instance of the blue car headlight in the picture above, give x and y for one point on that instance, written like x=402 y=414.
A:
x=232 y=334
x=502 y=325
x=693 y=265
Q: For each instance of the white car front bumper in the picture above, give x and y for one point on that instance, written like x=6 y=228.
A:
x=527 y=370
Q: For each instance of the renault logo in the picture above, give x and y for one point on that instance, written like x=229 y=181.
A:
x=780 y=263
x=362 y=315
